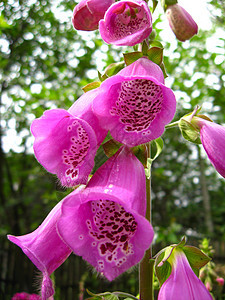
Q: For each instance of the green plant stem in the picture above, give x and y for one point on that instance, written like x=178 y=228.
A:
x=147 y=264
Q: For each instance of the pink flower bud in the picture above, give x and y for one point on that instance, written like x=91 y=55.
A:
x=181 y=22
x=220 y=281
x=88 y=13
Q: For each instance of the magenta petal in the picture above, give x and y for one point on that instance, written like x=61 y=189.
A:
x=65 y=145
x=183 y=283
x=44 y=248
x=126 y=23
x=212 y=137
x=87 y=13
x=104 y=223
x=135 y=106
x=82 y=108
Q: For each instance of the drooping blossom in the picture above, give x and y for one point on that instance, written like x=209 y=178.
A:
x=182 y=282
x=212 y=136
x=105 y=222
x=66 y=141
x=88 y=13
x=181 y=22
x=45 y=249
x=126 y=23
x=135 y=105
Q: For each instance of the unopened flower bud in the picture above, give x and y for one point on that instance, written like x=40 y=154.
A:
x=181 y=22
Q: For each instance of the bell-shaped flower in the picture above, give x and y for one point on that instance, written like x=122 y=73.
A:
x=181 y=22
x=45 y=249
x=126 y=23
x=88 y=13
x=105 y=223
x=212 y=136
x=135 y=105
x=66 y=141
x=182 y=282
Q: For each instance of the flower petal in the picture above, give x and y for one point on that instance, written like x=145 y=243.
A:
x=136 y=107
x=126 y=23
x=82 y=108
x=65 y=145
x=104 y=223
x=45 y=248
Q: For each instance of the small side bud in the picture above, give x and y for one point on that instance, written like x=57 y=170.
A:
x=181 y=22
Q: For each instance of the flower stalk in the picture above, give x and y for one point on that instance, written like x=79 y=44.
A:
x=147 y=264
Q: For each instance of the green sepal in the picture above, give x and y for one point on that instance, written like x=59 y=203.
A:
x=155 y=54
x=144 y=48
x=163 y=268
x=158 y=148
x=102 y=296
x=111 y=147
x=110 y=296
x=197 y=259
x=163 y=68
x=141 y=153
x=156 y=44
x=131 y=57
x=113 y=69
x=189 y=131
x=155 y=3
x=91 y=86
x=182 y=243
x=166 y=3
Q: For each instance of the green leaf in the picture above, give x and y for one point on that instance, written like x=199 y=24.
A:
x=196 y=257
x=131 y=57
x=91 y=86
x=111 y=147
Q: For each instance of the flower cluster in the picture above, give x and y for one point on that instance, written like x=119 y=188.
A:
x=103 y=222
x=103 y=219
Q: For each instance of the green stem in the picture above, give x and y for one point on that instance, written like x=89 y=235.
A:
x=147 y=264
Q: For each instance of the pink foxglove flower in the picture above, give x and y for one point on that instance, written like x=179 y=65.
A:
x=182 y=282
x=181 y=22
x=212 y=137
x=66 y=141
x=88 y=13
x=126 y=23
x=105 y=223
x=135 y=105
x=65 y=145
x=45 y=249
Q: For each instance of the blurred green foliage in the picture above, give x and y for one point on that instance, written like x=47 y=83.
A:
x=44 y=64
